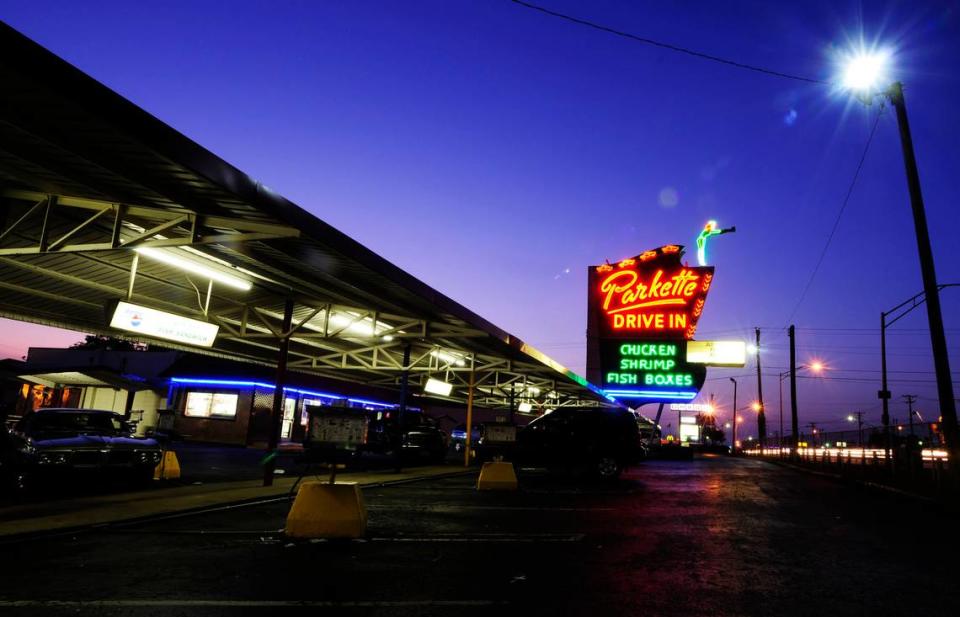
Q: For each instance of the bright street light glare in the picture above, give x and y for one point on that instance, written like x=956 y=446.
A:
x=816 y=366
x=865 y=72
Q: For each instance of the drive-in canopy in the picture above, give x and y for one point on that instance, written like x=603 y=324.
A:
x=102 y=203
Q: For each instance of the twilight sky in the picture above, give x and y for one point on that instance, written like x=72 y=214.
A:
x=496 y=152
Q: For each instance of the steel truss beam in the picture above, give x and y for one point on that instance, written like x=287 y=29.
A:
x=323 y=346
x=187 y=224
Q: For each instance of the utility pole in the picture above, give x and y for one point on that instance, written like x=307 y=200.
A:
x=761 y=414
x=884 y=393
x=859 y=415
x=938 y=339
x=911 y=399
x=813 y=432
x=794 y=421
x=733 y=446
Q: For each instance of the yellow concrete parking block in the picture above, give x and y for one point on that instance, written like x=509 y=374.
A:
x=323 y=510
x=497 y=476
x=168 y=468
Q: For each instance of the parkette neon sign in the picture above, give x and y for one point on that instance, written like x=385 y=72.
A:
x=653 y=294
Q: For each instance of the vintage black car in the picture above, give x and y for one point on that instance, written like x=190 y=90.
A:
x=62 y=443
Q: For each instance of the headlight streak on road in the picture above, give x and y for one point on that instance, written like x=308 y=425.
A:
x=852 y=454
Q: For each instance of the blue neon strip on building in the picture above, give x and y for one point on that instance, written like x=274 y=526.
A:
x=236 y=383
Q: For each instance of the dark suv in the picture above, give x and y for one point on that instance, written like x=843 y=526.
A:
x=599 y=441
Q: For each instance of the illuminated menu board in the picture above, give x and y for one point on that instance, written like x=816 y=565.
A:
x=649 y=369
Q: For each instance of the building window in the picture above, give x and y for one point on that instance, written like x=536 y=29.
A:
x=210 y=405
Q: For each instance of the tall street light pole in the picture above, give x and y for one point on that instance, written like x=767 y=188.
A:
x=887 y=319
x=863 y=74
x=859 y=417
x=938 y=339
x=815 y=366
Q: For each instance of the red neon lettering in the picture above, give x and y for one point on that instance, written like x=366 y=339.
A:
x=652 y=321
x=624 y=290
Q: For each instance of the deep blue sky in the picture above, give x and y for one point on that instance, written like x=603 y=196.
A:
x=496 y=152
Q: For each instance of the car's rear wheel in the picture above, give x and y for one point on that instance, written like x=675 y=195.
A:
x=607 y=467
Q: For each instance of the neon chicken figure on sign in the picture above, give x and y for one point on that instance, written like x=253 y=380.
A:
x=709 y=230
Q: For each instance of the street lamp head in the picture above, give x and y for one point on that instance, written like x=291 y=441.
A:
x=850 y=418
x=865 y=72
x=756 y=406
x=817 y=366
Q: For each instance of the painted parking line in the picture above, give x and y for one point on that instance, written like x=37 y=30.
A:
x=275 y=536
x=244 y=603
x=458 y=508
x=500 y=537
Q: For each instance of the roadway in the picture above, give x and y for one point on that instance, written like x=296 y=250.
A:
x=710 y=537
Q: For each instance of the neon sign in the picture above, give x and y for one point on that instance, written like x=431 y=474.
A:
x=710 y=229
x=650 y=370
x=653 y=294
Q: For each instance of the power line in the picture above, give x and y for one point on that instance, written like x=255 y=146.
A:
x=676 y=48
x=836 y=223
x=864 y=330
x=874 y=330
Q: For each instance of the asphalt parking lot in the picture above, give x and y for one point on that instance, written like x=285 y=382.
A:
x=715 y=536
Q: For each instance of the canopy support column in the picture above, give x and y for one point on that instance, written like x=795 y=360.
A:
x=468 y=443
x=276 y=419
x=402 y=411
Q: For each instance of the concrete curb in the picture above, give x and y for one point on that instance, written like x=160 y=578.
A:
x=111 y=513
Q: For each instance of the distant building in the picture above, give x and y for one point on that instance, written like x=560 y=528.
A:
x=197 y=397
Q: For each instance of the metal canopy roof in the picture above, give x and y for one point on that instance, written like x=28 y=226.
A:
x=83 y=376
x=86 y=177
